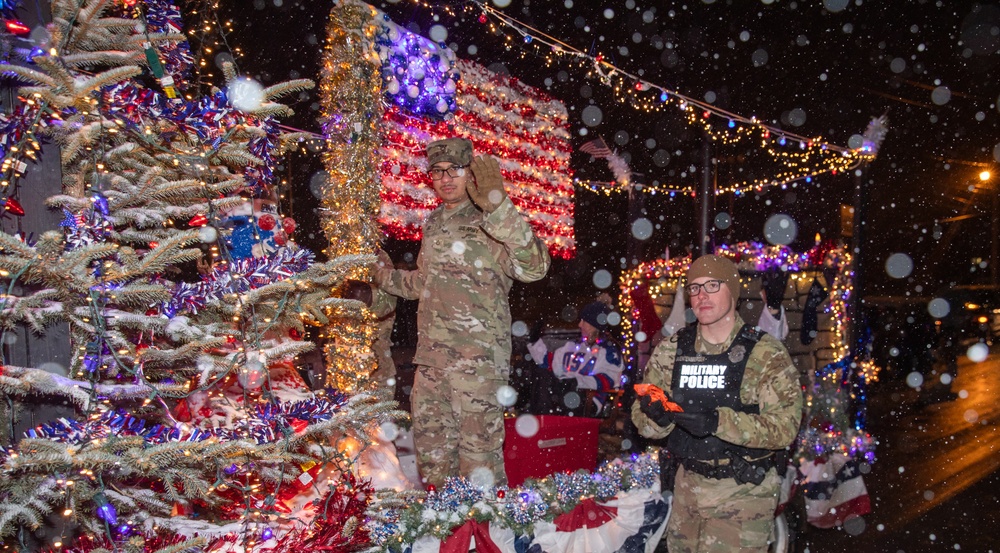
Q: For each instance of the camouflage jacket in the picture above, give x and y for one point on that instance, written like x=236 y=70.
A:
x=770 y=381
x=467 y=263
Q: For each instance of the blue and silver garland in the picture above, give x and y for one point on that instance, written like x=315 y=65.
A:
x=267 y=424
x=239 y=276
x=515 y=508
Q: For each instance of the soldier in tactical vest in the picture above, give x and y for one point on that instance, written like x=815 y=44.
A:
x=474 y=246
x=742 y=405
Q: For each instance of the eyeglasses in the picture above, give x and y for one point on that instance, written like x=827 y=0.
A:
x=436 y=173
x=710 y=287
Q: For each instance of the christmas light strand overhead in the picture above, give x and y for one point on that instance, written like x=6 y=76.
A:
x=802 y=157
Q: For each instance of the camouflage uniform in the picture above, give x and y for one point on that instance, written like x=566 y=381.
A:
x=466 y=266
x=720 y=515
x=384 y=309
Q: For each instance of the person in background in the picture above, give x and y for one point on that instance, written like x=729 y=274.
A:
x=772 y=293
x=594 y=361
x=474 y=246
x=742 y=405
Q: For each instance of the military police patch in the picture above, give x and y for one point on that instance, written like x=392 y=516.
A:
x=737 y=353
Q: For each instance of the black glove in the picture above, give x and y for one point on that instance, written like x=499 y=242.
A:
x=655 y=411
x=698 y=425
x=810 y=319
x=774 y=283
x=358 y=290
x=536 y=331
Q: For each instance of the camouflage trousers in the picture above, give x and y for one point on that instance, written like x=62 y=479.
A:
x=721 y=516
x=386 y=369
x=458 y=422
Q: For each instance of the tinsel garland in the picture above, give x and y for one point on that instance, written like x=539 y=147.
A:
x=210 y=119
x=14 y=125
x=339 y=523
x=351 y=100
x=267 y=423
x=351 y=94
x=139 y=543
x=440 y=511
x=163 y=16
x=241 y=275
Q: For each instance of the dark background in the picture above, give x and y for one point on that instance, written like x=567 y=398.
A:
x=841 y=66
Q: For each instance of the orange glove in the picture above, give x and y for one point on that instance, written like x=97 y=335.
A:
x=656 y=405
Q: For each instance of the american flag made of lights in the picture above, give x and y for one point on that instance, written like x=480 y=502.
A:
x=524 y=128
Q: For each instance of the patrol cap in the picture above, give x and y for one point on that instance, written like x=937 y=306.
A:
x=596 y=314
x=718 y=268
x=456 y=150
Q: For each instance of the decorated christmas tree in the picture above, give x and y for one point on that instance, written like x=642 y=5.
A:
x=186 y=299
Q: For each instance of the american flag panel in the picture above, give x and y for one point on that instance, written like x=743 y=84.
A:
x=525 y=129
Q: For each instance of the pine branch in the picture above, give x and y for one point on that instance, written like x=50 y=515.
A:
x=288 y=87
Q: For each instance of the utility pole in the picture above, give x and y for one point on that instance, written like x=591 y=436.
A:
x=706 y=198
x=857 y=249
x=633 y=246
x=994 y=229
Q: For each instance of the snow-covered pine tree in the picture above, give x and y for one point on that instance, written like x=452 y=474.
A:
x=149 y=179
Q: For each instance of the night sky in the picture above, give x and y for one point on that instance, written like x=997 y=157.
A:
x=816 y=68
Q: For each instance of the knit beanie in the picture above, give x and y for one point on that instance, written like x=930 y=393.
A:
x=718 y=268
x=596 y=314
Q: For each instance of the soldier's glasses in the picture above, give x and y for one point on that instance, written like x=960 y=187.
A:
x=710 y=286
x=436 y=173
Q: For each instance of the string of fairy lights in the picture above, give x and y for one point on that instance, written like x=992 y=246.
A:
x=801 y=158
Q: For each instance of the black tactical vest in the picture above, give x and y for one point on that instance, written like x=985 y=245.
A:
x=705 y=382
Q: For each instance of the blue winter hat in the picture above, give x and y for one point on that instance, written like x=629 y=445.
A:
x=596 y=314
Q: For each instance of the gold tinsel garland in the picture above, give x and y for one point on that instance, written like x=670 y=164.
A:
x=351 y=99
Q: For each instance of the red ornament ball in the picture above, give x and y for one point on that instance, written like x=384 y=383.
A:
x=280 y=238
x=431 y=488
x=289 y=225
x=501 y=494
x=266 y=222
x=482 y=18
x=294 y=334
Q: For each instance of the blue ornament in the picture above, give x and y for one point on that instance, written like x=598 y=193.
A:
x=267 y=534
